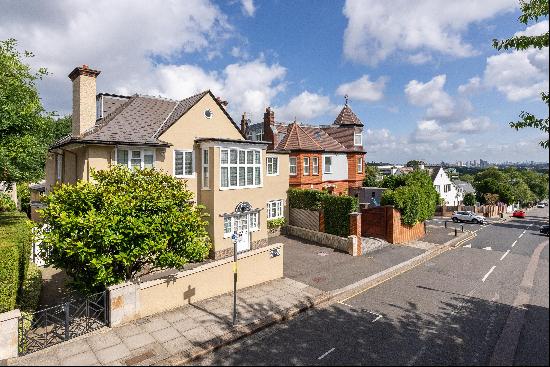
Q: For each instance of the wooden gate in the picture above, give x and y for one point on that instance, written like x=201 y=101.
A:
x=373 y=222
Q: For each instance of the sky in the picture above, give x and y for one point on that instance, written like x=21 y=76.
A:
x=422 y=75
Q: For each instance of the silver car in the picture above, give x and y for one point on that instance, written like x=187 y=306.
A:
x=468 y=217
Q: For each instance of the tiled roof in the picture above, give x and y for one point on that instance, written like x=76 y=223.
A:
x=325 y=140
x=111 y=102
x=136 y=120
x=297 y=139
x=347 y=117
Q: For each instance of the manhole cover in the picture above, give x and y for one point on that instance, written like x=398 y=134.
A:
x=322 y=254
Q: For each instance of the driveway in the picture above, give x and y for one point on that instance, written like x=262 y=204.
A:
x=328 y=269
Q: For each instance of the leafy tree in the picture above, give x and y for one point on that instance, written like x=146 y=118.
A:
x=414 y=163
x=467 y=177
x=371 y=176
x=531 y=11
x=413 y=195
x=490 y=199
x=469 y=199
x=127 y=221
x=537 y=182
x=22 y=117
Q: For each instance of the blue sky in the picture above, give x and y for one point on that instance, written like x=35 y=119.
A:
x=421 y=75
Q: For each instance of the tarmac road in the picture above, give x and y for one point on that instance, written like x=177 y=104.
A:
x=483 y=303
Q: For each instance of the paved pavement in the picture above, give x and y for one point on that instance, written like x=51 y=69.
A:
x=328 y=269
x=173 y=336
x=483 y=303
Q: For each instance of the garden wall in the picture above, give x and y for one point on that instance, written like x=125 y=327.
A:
x=304 y=218
x=385 y=222
x=344 y=244
x=130 y=300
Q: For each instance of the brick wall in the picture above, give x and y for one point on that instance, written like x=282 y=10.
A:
x=355 y=179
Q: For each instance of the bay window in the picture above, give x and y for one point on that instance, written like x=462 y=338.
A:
x=292 y=166
x=328 y=165
x=205 y=166
x=360 y=165
x=306 y=166
x=240 y=168
x=315 y=164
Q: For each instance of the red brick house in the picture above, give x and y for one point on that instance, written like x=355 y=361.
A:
x=323 y=157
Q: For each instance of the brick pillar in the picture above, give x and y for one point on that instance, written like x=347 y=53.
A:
x=355 y=230
x=321 y=221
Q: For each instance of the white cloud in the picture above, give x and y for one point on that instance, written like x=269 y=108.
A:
x=248 y=7
x=377 y=29
x=473 y=85
x=431 y=94
x=363 y=89
x=129 y=42
x=519 y=74
x=304 y=107
x=534 y=30
x=429 y=131
x=419 y=58
x=470 y=125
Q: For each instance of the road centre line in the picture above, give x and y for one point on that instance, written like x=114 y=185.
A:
x=506 y=253
x=521 y=235
x=326 y=354
x=488 y=273
x=513 y=244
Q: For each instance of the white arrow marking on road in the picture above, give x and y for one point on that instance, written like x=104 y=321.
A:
x=488 y=248
x=506 y=253
x=513 y=244
x=469 y=245
x=326 y=354
x=488 y=273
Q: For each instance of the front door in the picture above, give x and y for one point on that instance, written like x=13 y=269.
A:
x=243 y=238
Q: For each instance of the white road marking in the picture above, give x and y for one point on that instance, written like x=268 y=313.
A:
x=326 y=354
x=345 y=304
x=506 y=253
x=513 y=244
x=469 y=245
x=376 y=319
x=523 y=231
x=488 y=248
x=488 y=273
x=521 y=235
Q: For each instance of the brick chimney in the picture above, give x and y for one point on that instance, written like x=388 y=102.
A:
x=268 y=127
x=84 y=98
x=244 y=125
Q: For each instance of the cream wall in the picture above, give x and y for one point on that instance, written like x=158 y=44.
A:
x=84 y=104
x=182 y=134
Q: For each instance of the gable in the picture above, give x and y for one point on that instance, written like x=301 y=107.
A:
x=194 y=124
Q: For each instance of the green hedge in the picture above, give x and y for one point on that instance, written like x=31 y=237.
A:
x=336 y=210
x=6 y=203
x=31 y=288
x=305 y=199
x=15 y=251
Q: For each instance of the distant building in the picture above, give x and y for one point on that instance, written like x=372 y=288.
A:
x=444 y=186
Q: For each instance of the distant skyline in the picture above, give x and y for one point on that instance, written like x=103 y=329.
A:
x=427 y=86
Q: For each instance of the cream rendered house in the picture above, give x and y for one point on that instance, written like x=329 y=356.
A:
x=194 y=139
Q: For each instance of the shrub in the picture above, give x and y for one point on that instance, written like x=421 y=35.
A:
x=6 y=203
x=469 y=199
x=30 y=289
x=414 y=196
x=305 y=198
x=107 y=232
x=336 y=211
x=15 y=248
x=274 y=224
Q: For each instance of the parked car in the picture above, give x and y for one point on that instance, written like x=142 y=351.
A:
x=468 y=217
x=518 y=214
x=540 y=205
x=544 y=229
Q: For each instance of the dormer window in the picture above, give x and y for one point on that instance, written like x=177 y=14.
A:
x=358 y=139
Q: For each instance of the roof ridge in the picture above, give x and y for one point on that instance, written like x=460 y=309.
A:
x=156 y=97
x=161 y=127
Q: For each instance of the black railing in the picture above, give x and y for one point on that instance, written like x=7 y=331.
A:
x=56 y=324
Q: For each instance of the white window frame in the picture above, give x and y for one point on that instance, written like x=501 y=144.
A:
x=232 y=219
x=360 y=165
x=279 y=209
x=306 y=166
x=194 y=174
x=205 y=169
x=256 y=164
x=290 y=165
x=325 y=170
x=274 y=167
x=356 y=141
x=141 y=155
x=315 y=166
x=59 y=167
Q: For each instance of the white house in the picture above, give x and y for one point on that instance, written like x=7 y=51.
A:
x=445 y=187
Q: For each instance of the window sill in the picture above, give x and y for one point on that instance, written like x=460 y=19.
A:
x=240 y=188
x=184 y=176
x=271 y=175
